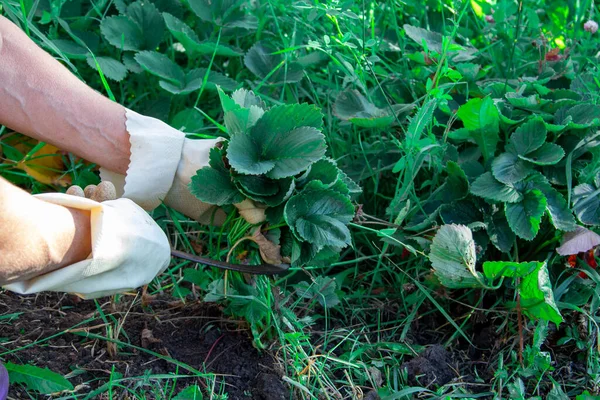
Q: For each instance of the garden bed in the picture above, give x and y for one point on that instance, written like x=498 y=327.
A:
x=194 y=334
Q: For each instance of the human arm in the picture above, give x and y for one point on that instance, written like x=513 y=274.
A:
x=38 y=237
x=61 y=242
x=40 y=98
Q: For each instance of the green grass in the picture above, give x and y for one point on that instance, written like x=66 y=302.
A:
x=343 y=328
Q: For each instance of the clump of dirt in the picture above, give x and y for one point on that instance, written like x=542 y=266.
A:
x=195 y=334
x=432 y=367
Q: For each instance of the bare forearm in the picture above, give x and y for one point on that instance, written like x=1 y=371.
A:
x=38 y=237
x=39 y=97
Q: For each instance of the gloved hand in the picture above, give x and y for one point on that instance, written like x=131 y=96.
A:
x=161 y=166
x=128 y=247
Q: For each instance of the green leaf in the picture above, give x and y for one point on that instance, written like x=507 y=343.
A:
x=324 y=170
x=320 y=217
x=71 y=49
x=284 y=142
x=131 y=64
x=271 y=67
x=213 y=184
x=189 y=393
x=488 y=187
x=548 y=154
x=351 y=105
x=480 y=116
x=110 y=67
x=586 y=203
x=198 y=278
x=122 y=33
x=509 y=269
x=188 y=120
x=588 y=173
x=419 y=122
x=524 y=217
x=582 y=116
x=195 y=77
x=456 y=186
x=508 y=168
x=556 y=393
x=241 y=110
x=246 y=99
x=225 y=13
x=182 y=32
x=257 y=185
x=487 y=140
x=499 y=232
x=190 y=41
x=149 y=21
x=560 y=214
x=323 y=289
x=535 y=289
x=217 y=291
x=353 y=188
x=432 y=40
x=209 y=48
x=537 y=297
x=532 y=102
x=162 y=66
x=529 y=137
x=38 y=379
x=453 y=257
x=240 y=121
x=268 y=191
x=250 y=306
x=302 y=252
x=462 y=212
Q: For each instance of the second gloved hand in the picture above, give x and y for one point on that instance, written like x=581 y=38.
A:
x=128 y=248
x=161 y=166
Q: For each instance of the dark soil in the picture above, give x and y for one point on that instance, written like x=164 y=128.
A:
x=432 y=367
x=195 y=334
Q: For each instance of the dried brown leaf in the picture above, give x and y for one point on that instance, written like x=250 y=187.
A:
x=269 y=251
x=251 y=212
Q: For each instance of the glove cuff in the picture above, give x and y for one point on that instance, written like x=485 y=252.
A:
x=128 y=250
x=155 y=154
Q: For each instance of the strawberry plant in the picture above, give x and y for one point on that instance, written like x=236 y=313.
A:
x=275 y=158
x=472 y=130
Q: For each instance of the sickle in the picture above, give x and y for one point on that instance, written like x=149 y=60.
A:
x=262 y=269
x=106 y=191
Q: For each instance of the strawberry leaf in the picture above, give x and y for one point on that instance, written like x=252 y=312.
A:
x=488 y=187
x=586 y=203
x=190 y=41
x=162 y=66
x=524 y=217
x=213 y=184
x=507 y=168
x=284 y=142
x=453 y=257
x=529 y=137
x=320 y=217
x=270 y=66
x=149 y=21
x=548 y=154
x=122 y=33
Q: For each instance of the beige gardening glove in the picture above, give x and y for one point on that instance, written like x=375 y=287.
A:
x=128 y=248
x=161 y=166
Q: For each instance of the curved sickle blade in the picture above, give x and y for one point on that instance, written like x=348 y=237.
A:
x=262 y=269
